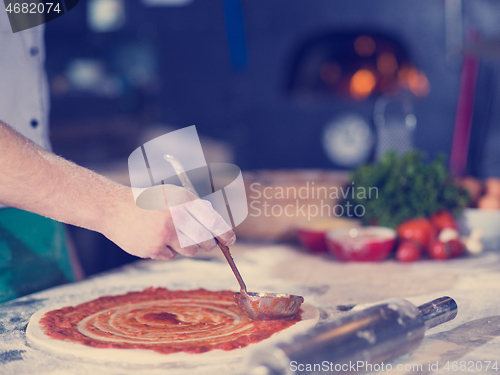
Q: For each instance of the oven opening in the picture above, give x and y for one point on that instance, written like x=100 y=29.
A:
x=354 y=66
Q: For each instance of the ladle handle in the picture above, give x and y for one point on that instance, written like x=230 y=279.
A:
x=229 y=258
x=179 y=170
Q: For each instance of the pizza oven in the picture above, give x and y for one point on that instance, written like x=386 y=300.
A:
x=363 y=69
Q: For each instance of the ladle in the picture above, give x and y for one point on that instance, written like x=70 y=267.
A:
x=258 y=306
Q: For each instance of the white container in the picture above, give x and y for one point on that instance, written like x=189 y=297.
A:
x=488 y=221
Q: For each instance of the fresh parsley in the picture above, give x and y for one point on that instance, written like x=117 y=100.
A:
x=406 y=187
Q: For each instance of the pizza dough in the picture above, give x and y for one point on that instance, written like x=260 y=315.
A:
x=158 y=326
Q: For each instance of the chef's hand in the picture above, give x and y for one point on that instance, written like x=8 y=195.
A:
x=152 y=234
x=36 y=180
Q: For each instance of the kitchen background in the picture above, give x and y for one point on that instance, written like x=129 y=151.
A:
x=324 y=84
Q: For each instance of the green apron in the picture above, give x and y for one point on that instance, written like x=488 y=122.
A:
x=33 y=254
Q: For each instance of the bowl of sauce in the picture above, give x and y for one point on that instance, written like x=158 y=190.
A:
x=312 y=234
x=363 y=244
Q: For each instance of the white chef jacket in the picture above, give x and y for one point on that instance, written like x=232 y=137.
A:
x=24 y=96
x=24 y=105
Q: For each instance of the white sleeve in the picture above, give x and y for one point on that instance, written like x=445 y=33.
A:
x=24 y=95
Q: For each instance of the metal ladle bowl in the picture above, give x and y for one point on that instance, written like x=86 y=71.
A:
x=262 y=306
x=258 y=306
x=268 y=306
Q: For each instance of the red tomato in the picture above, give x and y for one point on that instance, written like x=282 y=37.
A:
x=443 y=219
x=439 y=250
x=456 y=248
x=419 y=230
x=408 y=251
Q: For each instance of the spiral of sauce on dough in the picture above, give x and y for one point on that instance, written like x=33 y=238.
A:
x=161 y=320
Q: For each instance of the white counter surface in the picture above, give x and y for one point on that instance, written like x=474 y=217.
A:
x=474 y=282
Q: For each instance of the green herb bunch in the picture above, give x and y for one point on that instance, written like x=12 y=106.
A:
x=407 y=187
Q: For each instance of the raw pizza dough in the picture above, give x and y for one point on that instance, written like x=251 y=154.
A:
x=37 y=336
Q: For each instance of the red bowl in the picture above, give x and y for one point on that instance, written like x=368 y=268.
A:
x=312 y=240
x=312 y=235
x=364 y=244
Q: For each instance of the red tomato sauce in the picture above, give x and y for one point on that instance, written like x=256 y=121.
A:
x=165 y=321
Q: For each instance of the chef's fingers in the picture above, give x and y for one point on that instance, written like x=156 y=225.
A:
x=164 y=253
x=204 y=213
x=208 y=245
x=190 y=248
x=191 y=235
x=228 y=238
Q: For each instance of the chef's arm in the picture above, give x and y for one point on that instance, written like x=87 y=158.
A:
x=39 y=181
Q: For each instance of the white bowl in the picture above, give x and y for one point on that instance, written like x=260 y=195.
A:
x=488 y=221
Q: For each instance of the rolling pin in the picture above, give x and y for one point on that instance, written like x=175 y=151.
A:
x=357 y=342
